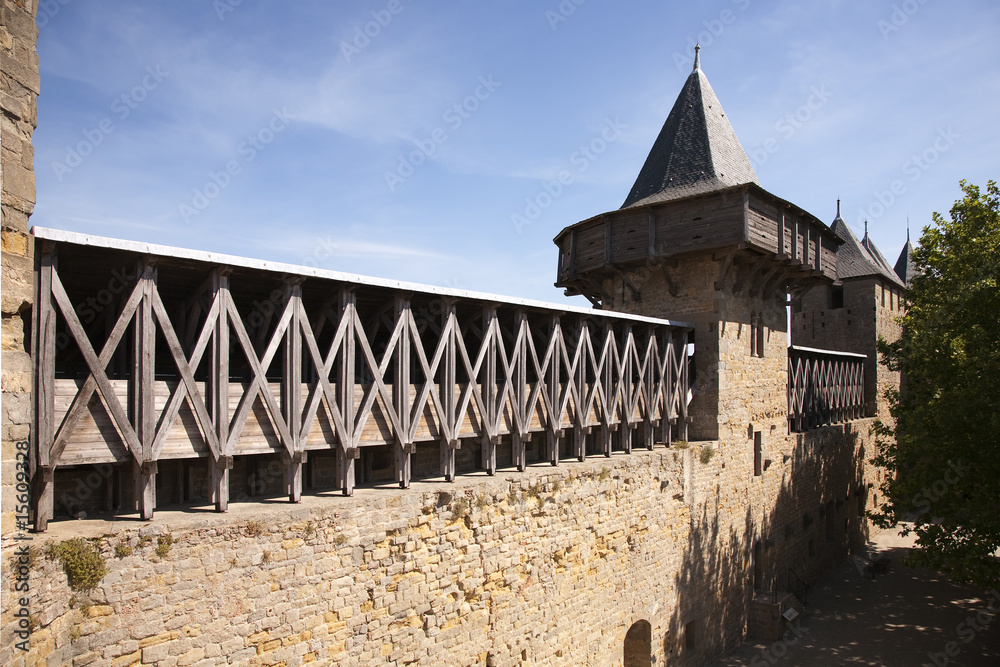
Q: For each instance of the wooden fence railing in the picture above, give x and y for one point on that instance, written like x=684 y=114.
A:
x=146 y=353
x=824 y=387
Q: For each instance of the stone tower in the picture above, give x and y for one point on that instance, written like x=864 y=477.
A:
x=699 y=239
x=861 y=306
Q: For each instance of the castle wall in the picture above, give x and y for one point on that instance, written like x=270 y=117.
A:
x=19 y=87
x=736 y=392
x=551 y=566
x=870 y=309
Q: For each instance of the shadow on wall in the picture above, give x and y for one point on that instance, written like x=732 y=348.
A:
x=805 y=514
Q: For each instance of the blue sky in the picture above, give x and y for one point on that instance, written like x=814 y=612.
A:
x=414 y=140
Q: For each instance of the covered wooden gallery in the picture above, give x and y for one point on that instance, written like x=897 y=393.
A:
x=169 y=376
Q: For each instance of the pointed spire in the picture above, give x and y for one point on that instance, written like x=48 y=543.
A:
x=904 y=265
x=696 y=151
x=866 y=231
x=838 y=211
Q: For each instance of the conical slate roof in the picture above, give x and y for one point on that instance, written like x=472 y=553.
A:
x=696 y=151
x=904 y=265
x=859 y=259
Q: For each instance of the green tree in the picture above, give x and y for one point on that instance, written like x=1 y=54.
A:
x=942 y=457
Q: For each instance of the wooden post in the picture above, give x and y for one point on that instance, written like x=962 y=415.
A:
x=348 y=452
x=627 y=417
x=45 y=374
x=491 y=329
x=518 y=441
x=682 y=408
x=648 y=390
x=520 y=435
x=580 y=380
x=607 y=385
x=449 y=441
x=291 y=389
x=219 y=384
x=554 y=431
x=401 y=392
x=143 y=391
x=667 y=415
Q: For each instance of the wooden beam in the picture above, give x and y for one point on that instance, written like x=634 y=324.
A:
x=291 y=388
x=143 y=389
x=221 y=464
x=45 y=373
x=489 y=413
x=401 y=393
x=347 y=453
x=725 y=268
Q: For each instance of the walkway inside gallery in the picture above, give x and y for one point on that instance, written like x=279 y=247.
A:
x=904 y=618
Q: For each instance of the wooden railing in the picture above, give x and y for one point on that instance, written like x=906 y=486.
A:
x=186 y=355
x=824 y=387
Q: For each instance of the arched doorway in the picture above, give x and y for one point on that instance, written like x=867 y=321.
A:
x=639 y=645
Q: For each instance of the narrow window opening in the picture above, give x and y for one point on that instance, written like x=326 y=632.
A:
x=758 y=453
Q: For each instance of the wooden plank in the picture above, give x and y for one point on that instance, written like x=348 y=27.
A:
x=187 y=388
x=82 y=399
x=95 y=366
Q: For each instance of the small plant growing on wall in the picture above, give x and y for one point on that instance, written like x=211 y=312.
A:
x=680 y=444
x=459 y=508
x=123 y=549
x=163 y=544
x=605 y=474
x=82 y=562
x=706 y=454
x=256 y=528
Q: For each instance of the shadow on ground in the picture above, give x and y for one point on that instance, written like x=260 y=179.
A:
x=904 y=618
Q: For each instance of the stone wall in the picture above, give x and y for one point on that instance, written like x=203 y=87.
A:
x=736 y=393
x=19 y=87
x=870 y=309
x=550 y=566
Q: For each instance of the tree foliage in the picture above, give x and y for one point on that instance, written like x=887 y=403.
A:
x=942 y=456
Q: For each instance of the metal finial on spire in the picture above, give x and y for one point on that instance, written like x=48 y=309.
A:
x=838 y=207
x=866 y=229
x=697 y=58
x=907 y=228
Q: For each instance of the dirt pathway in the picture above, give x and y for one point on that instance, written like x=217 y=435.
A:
x=905 y=618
